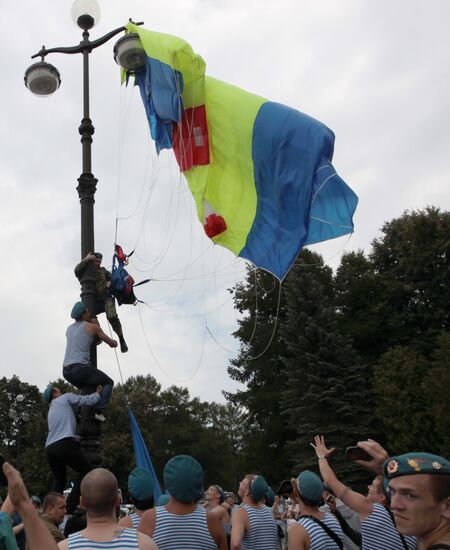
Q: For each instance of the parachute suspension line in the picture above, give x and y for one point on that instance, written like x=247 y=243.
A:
x=117 y=357
x=275 y=325
x=178 y=380
x=343 y=247
x=126 y=399
x=255 y=323
x=158 y=306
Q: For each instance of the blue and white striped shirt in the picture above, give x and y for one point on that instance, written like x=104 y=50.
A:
x=182 y=532
x=61 y=418
x=320 y=539
x=263 y=534
x=127 y=540
x=135 y=520
x=378 y=532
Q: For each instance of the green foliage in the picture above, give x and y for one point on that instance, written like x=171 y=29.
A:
x=401 y=405
x=400 y=294
x=326 y=391
x=23 y=431
x=436 y=385
x=358 y=295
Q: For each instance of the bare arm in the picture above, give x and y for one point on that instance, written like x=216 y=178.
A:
x=145 y=542
x=298 y=538
x=354 y=500
x=95 y=330
x=148 y=521
x=238 y=528
x=37 y=534
x=216 y=529
x=126 y=522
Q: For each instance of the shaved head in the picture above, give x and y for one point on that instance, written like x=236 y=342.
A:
x=99 y=492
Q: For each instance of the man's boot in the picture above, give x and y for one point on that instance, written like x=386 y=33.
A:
x=123 y=344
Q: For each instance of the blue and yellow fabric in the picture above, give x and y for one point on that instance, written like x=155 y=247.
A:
x=260 y=172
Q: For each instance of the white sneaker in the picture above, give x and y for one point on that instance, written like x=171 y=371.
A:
x=100 y=417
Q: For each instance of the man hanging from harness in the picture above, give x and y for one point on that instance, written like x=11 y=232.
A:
x=105 y=301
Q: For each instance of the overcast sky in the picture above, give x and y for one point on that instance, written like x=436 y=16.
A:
x=376 y=72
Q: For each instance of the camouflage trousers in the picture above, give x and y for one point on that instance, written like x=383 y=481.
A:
x=108 y=306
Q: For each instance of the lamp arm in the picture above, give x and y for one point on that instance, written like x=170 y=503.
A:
x=85 y=44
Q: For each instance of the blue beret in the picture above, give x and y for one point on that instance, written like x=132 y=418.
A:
x=258 y=488
x=77 y=310
x=183 y=478
x=270 y=497
x=47 y=393
x=310 y=486
x=140 y=484
x=415 y=463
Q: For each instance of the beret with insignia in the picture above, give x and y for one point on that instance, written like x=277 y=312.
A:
x=415 y=463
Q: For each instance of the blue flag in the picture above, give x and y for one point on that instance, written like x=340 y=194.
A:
x=143 y=459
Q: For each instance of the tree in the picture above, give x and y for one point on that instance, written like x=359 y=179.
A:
x=402 y=408
x=23 y=431
x=357 y=298
x=400 y=295
x=436 y=386
x=326 y=388
x=258 y=365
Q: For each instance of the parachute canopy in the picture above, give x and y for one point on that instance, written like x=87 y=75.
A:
x=260 y=172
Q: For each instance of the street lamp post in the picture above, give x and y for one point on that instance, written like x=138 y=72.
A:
x=41 y=78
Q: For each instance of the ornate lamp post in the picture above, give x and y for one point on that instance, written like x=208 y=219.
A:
x=42 y=78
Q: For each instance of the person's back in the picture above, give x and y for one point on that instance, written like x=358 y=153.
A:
x=122 y=539
x=176 y=531
x=262 y=533
x=181 y=524
x=78 y=345
x=320 y=539
x=100 y=498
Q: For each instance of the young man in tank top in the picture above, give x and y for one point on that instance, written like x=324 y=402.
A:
x=100 y=499
x=181 y=523
x=419 y=485
x=314 y=530
x=253 y=524
x=77 y=367
x=378 y=529
x=215 y=497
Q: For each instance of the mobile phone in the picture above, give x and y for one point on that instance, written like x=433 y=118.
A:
x=285 y=487
x=3 y=480
x=356 y=453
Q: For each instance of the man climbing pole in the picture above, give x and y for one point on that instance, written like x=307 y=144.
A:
x=105 y=302
x=77 y=368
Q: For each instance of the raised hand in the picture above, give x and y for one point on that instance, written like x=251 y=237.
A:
x=321 y=449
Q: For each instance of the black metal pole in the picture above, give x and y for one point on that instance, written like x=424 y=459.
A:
x=89 y=430
x=87 y=184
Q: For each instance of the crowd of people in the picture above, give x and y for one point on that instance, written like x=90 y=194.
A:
x=407 y=507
